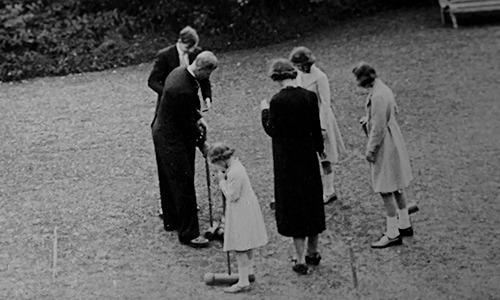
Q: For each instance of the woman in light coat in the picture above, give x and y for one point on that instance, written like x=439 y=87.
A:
x=313 y=79
x=386 y=152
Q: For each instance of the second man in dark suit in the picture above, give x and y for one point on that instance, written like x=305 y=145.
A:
x=182 y=53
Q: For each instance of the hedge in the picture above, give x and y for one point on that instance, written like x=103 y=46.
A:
x=46 y=38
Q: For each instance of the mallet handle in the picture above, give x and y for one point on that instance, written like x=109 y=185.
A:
x=209 y=193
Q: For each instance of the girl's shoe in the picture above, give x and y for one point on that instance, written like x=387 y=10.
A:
x=386 y=241
x=300 y=269
x=313 y=259
x=235 y=288
x=412 y=208
x=330 y=198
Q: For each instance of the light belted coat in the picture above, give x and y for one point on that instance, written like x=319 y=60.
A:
x=316 y=81
x=391 y=170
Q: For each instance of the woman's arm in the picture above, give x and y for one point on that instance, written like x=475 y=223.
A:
x=269 y=118
x=324 y=88
x=231 y=187
x=161 y=69
x=324 y=95
x=378 y=123
x=314 y=121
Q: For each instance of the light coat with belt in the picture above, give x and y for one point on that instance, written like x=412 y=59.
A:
x=316 y=81
x=391 y=170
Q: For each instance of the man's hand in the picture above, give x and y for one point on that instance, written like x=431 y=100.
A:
x=322 y=155
x=205 y=104
x=204 y=149
x=370 y=157
x=364 y=124
x=202 y=124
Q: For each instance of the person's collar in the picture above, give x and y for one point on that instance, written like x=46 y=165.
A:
x=191 y=72
x=177 y=45
x=289 y=83
x=230 y=161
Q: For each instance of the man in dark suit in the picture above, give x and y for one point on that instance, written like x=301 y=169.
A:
x=177 y=130
x=182 y=54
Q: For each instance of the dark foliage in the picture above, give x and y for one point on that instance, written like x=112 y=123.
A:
x=42 y=37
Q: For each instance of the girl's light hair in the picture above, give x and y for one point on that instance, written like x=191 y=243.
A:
x=219 y=151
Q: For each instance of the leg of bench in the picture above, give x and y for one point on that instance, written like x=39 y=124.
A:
x=454 y=20
x=442 y=16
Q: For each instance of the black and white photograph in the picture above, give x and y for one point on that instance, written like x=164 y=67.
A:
x=249 y=149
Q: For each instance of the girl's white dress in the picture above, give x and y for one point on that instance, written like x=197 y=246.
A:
x=317 y=81
x=244 y=227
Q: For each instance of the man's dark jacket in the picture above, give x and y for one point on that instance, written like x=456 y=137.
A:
x=166 y=60
x=175 y=136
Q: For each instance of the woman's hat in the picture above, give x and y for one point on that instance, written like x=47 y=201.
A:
x=301 y=56
x=282 y=69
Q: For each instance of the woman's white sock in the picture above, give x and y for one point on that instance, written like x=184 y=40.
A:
x=392 y=227
x=243 y=276
x=403 y=218
x=328 y=188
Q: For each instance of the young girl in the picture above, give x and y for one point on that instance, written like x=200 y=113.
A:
x=244 y=228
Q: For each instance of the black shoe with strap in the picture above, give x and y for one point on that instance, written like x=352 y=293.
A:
x=300 y=269
x=313 y=259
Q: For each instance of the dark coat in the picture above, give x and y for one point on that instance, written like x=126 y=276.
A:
x=166 y=60
x=292 y=121
x=179 y=110
x=175 y=137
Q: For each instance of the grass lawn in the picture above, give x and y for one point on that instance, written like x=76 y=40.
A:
x=77 y=154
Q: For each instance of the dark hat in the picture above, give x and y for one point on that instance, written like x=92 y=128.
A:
x=219 y=151
x=189 y=36
x=282 y=69
x=301 y=56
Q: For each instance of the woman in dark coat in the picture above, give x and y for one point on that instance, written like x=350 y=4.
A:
x=291 y=119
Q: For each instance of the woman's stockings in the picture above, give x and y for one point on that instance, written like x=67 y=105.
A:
x=243 y=268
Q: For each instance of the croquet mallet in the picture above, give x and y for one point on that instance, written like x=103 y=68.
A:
x=210 y=234
x=224 y=278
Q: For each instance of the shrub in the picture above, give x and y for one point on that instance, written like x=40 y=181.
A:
x=42 y=37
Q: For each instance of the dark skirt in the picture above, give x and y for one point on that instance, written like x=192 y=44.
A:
x=298 y=188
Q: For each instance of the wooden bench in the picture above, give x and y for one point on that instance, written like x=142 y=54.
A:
x=466 y=6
